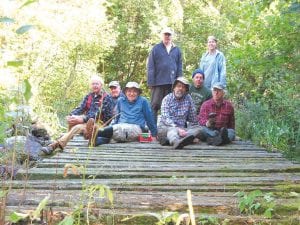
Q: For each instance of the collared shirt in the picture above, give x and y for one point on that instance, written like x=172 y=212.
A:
x=214 y=67
x=93 y=109
x=177 y=112
x=224 y=117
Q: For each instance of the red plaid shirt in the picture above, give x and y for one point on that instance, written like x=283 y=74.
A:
x=225 y=114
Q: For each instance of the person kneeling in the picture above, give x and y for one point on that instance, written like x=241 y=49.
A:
x=134 y=116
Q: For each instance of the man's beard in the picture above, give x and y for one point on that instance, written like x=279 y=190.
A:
x=179 y=94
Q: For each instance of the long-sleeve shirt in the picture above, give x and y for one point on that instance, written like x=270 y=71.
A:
x=224 y=117
x=137 y=112
x=177 y=112
x=163 y=67
x=89 y=107
x=214 y=67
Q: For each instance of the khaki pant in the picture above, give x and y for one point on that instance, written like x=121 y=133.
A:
x=125 y=132
x=171 y=133
x=77 y=129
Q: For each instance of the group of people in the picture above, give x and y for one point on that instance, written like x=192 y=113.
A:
x=189 y=113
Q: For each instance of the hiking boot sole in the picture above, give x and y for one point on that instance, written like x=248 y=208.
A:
x=184 y=141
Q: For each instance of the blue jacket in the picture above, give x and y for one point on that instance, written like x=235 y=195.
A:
x=163 y=68
x=219 y=71
x=137 y=112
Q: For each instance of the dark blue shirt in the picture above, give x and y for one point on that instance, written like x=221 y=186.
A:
x=92 y=111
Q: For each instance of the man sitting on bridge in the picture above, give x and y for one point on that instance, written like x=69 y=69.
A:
x=178 y=124
x=217 y=118
x=89 y=108
x=133 y=114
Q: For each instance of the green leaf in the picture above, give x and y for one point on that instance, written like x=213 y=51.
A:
x=15 y=217
x=6 y=20
x=24 y=29
x=27 y=91
x=15 y=63
x=41 y=206
x=268 y=213
x=3 y=193
x=28 y=3
x=67 y=221
x=293 y=194
x=110 y=196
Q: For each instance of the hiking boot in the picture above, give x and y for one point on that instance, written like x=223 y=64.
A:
x=90 y=129
x=224 y=135
x=101 y=141
x=50 y=148
x=164 y=141
x=179 y=144
x=216 y=140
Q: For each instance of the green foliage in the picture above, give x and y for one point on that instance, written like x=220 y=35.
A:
x=255 y=202
x=16 y=217
x=162 y=218
x=260 y=40
x=24 y=29
x=68 y=220
x=208 y=220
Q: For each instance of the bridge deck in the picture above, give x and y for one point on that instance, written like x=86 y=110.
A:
x=147 y=177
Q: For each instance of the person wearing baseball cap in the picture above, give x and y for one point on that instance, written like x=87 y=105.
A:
x=134 y=116
x=213 y=63
x=164 y=65
x=178 y=110
x=198 y=91
x=115 y=91
x=217 y=118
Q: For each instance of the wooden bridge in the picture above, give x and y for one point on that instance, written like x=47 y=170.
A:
x=147 y=177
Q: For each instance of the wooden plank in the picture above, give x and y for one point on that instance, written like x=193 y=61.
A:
x=147 y=177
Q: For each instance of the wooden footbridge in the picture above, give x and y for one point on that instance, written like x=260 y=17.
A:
x=149 y=178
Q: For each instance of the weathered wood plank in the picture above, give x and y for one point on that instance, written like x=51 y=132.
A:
x=147 y=177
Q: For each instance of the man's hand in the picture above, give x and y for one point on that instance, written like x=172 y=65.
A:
x=211 y=122
x=182 y=132
x=74 y=120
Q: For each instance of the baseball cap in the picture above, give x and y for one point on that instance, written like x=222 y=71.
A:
x=133 y=84
x=167 y=30
x=218 y=85
x=114 y=83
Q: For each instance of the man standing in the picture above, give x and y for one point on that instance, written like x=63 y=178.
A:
x=133 y=115
x=88 y=108
x=164 y=66
x=178 y=125
x=198 y=91
x=213 y=64
x=217 y=118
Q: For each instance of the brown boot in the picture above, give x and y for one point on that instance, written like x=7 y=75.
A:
x=91 y=129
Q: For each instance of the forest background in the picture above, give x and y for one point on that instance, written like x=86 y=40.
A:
x=50 y=48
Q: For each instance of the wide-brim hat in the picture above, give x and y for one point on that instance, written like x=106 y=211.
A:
x=182 y=80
